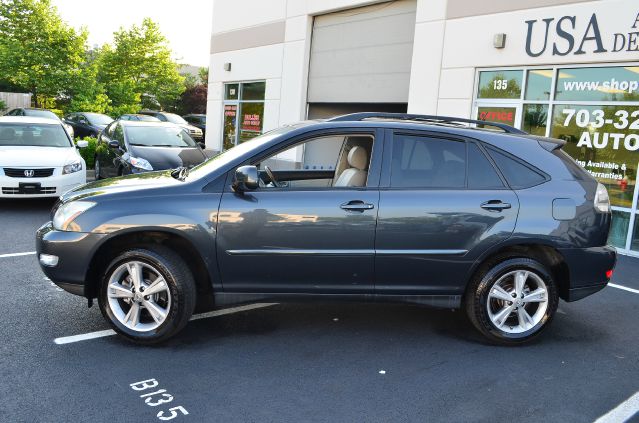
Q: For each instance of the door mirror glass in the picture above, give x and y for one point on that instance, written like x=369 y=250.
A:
x=114 y=144
x=246 y=179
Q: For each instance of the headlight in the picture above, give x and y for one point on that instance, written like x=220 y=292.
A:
x=66 y=214
x=602 y=201
x=72 y=168
x=140 y=163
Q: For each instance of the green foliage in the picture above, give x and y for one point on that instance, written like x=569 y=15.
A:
x=38 y=51
x=88 y=153
x=139 y=64
x=87 y=94
x=204 y=76
x=3 y=106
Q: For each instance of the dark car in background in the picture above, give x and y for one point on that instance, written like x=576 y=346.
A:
x=86 y=124
x=197 y=120
x=138 y=117
x=127 y=147
x=41 y=113
x=387 y=207
x=195 y=132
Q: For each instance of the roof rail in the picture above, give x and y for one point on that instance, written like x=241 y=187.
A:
x=356 y=117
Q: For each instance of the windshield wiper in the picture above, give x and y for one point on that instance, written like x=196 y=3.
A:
x=180 y=173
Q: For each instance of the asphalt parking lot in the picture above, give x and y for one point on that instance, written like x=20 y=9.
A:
x=305 y=362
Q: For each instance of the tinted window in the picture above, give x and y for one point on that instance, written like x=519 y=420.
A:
x=173 y=118
x=118 y=134
x=98 y=119
x=516 y=173
x=481 y=173
x=420 y=162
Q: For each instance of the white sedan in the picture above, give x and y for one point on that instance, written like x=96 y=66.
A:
x=38 y=158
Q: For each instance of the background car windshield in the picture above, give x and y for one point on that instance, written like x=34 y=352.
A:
x=42 y=113
x=33 y=135
x=98 y=119
x=175 y=119
x=158 y=136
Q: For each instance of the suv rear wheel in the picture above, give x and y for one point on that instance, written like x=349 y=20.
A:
x=512 y=300
x=147 y=294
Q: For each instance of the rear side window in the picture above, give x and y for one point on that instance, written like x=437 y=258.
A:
x=481 y=173
x=423 y=162
x=516 y=173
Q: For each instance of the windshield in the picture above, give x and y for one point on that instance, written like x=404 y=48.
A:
x=173 y=118
x=39 y=135
x=238 y=151
x=145 y=118
x=158 y=136
x=41 y=113
x=98 y=119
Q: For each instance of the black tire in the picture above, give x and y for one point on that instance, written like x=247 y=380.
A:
x=476 y=299
x=181 y=287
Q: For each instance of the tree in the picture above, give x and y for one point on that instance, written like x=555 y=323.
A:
x=38 y=51
x=139 y=65
x=86 y=93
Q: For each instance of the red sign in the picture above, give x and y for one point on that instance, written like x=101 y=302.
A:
x=252 y=122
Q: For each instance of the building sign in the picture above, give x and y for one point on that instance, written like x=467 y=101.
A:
x=562 y=36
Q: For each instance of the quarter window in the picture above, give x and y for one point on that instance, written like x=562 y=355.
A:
x=516 y=173
x=422 y=162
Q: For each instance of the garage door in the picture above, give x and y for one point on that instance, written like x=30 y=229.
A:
x=363 y=55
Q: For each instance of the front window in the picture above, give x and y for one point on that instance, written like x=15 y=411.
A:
x=158 y=136
x=14 y=134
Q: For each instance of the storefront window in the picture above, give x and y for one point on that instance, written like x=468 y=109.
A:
x=619 y=229
x=539 y=84
x=594 y=109
x=598 y=84
x=243 y=112
x=500 y=84
x=535 y=119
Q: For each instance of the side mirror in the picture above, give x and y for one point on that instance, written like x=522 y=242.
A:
x=114 y=144
x=246 y=179
x=82 y=144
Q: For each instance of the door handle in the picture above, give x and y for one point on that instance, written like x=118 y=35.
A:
x=495 y=205
x=357 y=205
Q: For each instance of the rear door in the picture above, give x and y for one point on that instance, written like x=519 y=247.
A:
x=442 y=204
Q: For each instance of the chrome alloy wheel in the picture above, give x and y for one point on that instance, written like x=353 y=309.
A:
x=138 y=296
x=517 y=302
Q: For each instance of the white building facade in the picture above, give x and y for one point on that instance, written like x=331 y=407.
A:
x=562 y=68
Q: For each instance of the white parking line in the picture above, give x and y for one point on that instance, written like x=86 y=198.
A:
x=28 y=253
x=625 y=288
x=102 y=333
x=623 y=412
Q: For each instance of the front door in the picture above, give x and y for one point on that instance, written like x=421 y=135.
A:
x=311 y=230
x=442 y=204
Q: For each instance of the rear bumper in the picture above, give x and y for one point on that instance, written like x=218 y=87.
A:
x=587 y=268
x=74 y=251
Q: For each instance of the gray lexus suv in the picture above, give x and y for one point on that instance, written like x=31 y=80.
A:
x=427 y=210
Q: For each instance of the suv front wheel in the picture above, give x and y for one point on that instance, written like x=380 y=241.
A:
x=147 y=294
x=512 y=300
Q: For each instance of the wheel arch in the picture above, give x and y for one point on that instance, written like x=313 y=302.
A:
x=545 y=253
x=178 y=243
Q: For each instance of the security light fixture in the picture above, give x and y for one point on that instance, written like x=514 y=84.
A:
x=499 y=40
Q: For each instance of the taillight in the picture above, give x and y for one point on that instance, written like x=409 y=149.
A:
x=609 y=274
x=602 y=201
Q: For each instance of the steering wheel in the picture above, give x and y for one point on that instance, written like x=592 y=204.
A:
x=269 y=172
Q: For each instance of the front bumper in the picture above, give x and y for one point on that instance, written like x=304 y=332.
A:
x=74 y=251
x=587 y=268
x=51 y=186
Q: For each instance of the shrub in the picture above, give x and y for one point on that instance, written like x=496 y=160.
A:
x=88 y=153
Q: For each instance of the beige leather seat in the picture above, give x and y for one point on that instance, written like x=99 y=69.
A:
x=355 y=175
